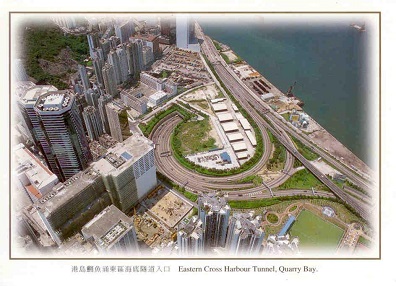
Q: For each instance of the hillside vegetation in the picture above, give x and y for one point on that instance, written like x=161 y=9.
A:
x=50 y=55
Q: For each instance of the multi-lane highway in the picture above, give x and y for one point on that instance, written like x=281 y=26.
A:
x=196 y=182
x=217 y=61
x=247 y=100
x=229 y=185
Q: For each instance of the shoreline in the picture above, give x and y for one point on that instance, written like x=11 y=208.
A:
x=320 y=137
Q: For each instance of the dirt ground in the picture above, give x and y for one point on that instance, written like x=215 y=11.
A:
x=213 y=134
x=231 y=56
x=326 y=141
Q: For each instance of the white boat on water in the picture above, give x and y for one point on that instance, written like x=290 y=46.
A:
x=361 y=28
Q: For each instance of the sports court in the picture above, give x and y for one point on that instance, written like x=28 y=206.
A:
x=315 y=232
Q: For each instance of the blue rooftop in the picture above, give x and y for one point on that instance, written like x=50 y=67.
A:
x=287 y=225
x=225 y=157
x=126 y=155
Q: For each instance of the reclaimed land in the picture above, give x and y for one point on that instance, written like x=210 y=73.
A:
x=194 y=136
x=305 y=150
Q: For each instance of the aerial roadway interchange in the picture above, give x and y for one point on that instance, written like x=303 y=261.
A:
x=266 y=119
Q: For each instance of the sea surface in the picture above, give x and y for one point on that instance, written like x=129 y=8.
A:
x=328 y=61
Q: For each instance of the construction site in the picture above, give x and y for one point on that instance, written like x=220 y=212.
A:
x=157 y=215
x=166 y=206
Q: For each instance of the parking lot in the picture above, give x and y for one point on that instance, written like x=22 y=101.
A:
x=186 y=66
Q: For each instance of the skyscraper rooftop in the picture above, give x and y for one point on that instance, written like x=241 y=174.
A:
x=54 y=102
x=32 y=94
x=108 y=226
x=191 y=227
x=124 y=154
x=64 y=192
x=246 y=225
x=212 y=202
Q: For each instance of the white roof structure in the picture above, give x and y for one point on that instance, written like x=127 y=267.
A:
x=34 y=175
x=216 y=100
x=219 y=107
x=245 y=124
x=230 y=126
x=267 y=96
x=251 y=137
x=32 y=94
x=157 y=97
x=123 y=154
x=225 y=117
x=238 y=115
x=242 y=155
x=234 y=107
x=239 y=147
x=235 y=137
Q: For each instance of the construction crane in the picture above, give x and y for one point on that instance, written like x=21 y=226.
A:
x=289 y=91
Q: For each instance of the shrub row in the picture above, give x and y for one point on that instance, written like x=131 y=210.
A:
x=273 y=201
x=279 y=154
x=304 y=150
x=148 y=128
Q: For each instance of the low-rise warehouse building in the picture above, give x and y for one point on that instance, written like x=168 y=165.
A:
x=234 y=107
x=239 y=147
x=245 y=124
x=218 y=107
x=217 y=100
x=225 y=117
x=239 y=115
x=235 y=137
x=267 y=96
x=230 y=127
x=242 y=155
x=251 y=137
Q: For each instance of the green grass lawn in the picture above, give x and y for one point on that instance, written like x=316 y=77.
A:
x=203 y=104
x=364 y=241
x=303 y=180
x=286 y=116
x=315 y=232
x=255 y=179
x=272 y=218
x=194 y=137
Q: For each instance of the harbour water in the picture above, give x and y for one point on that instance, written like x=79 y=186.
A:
x=329 y=63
